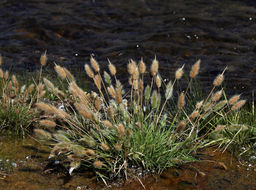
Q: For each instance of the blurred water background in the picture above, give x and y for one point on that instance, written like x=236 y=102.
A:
x=220 y=33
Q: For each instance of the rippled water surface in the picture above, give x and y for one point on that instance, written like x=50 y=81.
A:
x=221 y=33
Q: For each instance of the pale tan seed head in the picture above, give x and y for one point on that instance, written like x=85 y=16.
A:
x=217 y=96
x=98 y=164
x=195 y=69
x=234 y=99
x=141 y=85
x=42 y=134
x=220 y=128
x=88 y=71
x=154 y=67
x=44 y=107
x=105 y=147
x=181 y=101
x=107 y=123
x=181 y=126
x=112 y=68
x=40 y=87
x=10 y=85
x=31 y=88
x=6 y=75
x=136 y=73
x=98 y=104
x=218 y=80
x=118 y=98
x=118 y=147
x=41 y=94
x=111 y=112
x=97 y=81
x=238 y=105
x=60 y=71
x=47 y=123
x=194 y=114
x=43 y=59
x=90 y=152
x=111 y=91
x=86 y=113
x=48 y=84
x=142 y=66
x=179 y=73
x=199 y=104
x=135 y=84
x=68 y=74
x=131 y=67
x=1 y=73
x=121 y=129
x=94 y=64
x=158 y=81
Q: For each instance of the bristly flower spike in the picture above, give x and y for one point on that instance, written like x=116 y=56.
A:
x=195 y=69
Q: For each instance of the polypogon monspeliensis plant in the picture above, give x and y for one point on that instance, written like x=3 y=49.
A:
x=16 y=101
x=116 y=131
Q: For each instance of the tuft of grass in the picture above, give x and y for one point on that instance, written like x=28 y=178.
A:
x=236 y=132
x=115 y=130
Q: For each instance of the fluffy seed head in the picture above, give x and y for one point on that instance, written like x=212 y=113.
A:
x=97 y=81
x=84 y=112
x=181 y=126
x=154 y=67
x=97 y=164
x=42 y=134
x=105 y=147
x=119 y=98
x=194 y=114
x=233 y=99
x=199 y=104
x=44 y=107
x=136 y=73
x=1 y=73
x=238 y=105
x=95 y=64
x=217 y=96
x=31 y=88
x=47 y=123
x=107 y=123
x=141 y=86
x=111 y=112
x=195 y=69
x=111 y=91
x=131 y=67
x=43 y=59
x=98 y=104
x=218 y=80
x=118 y=147
x=112 y=68
x=220 y=127
x=158 y=81
x=121 y=129
x=68 y=74
x=6 y=75
x=88 y=71
x=90 y=152
x=179 y=73
x=142 y=66
x=181 y=101
x=135 y=84
x=60 y=71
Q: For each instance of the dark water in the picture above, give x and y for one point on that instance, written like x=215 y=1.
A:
x=221 y=33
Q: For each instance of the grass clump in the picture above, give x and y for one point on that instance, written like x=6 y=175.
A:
x=236 y=132
x=114 y=132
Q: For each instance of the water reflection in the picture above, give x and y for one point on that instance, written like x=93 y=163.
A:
x=218 y=32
